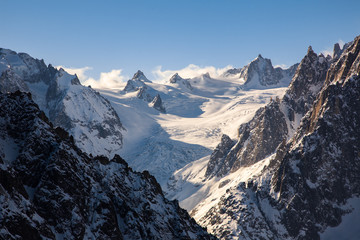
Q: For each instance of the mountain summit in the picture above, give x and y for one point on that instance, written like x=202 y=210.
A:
x=140 y=76
x=82 y=111
x=142 y=86
x=50 y=189
x=176 y=79
x=309 y=158
x=260 y=73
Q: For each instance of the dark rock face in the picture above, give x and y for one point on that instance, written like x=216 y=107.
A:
x=306 y=186
x=218 y=156
x=263 y=68
x=257 y=139
x=157 y=104
x=139 y=75
x=347 y=64
x=320 y=170
x=277 y=121
x=306 y=84
x=50 y=189
x=65 y=101
x=337 y=50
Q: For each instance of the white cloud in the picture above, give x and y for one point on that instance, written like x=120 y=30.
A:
x=112 y=79
x=115 y=79
x=80 y=72
x=189 y=71
x=283 y=66
x=327 y=52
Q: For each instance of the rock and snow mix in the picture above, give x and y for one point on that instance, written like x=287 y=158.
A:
x=50 y=189
x=82 y=111
x=288 y=172
x=309 y=183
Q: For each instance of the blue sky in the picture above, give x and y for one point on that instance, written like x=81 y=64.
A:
x=129 y=35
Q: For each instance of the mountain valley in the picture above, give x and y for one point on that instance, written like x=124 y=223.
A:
x=257 y=152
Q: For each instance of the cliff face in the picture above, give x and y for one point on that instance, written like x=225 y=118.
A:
x=260 y=73
x=80 y=110
x=277 y=121
x=50 y=189
x=313 y=176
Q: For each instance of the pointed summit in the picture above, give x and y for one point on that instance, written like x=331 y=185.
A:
x=260 y=57
x=310 y=50
x=180 y=81
x=337 y=50
x=139 y=75
x=175 y=78
x=206 y=75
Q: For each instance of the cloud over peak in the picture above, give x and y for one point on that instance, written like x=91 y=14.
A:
x=112 y=79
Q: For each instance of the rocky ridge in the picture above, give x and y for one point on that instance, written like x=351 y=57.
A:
x=80 y=110
x=261 y=73
x=176 y=79
x=144 y=91
x=50 y=189
x=277 y=121
x=311 y=178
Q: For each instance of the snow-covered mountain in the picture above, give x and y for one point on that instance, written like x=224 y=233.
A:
x=260 y=73
x=143 y=91
x=194 y=120
x=275 y=122
x=307 y=186
x=82 y=111
x=290 y=171
x=50 y=189
x=180 y=82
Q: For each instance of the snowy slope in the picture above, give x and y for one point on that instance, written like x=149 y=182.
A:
x=194 y=121
x=310 y=187
x=80 y=110
x=50 y=189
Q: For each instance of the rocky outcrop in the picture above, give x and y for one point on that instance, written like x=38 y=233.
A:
x=306 y=84
x=157 y=104
x=137 y=81
x=144 y=91
x=310 y=179
x=50 y=189
x=278 y=120
x=218 y=156
x=261 y=73
x=176 y=79
x=82 y=111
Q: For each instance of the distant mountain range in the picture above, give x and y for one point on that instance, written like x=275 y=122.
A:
x=286 y=167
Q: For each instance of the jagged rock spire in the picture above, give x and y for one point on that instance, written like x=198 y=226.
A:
x=337 y=49
x=310 y=50
x=157 y=104
x=139 y=75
